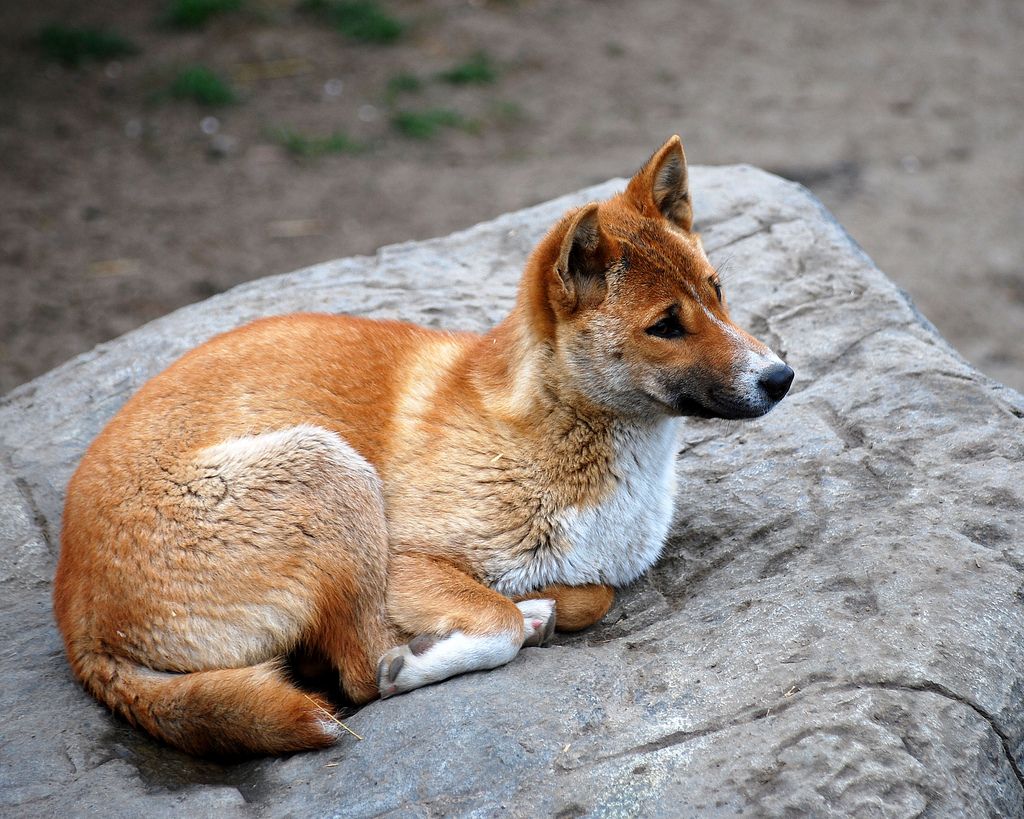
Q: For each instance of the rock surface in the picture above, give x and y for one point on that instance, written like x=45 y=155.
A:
x=836 y=627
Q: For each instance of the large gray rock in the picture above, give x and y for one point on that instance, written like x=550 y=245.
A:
x=837 y=625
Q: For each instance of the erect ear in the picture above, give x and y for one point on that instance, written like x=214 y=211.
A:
x=583 y=259
x=661 y=186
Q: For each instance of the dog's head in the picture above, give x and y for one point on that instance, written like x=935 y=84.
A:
x=636 y=314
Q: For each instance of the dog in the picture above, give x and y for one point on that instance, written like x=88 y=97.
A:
x=405 y=504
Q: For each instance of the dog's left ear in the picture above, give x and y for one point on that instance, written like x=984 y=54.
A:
x=661 y=187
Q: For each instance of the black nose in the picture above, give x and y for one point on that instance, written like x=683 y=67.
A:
x=776 y=381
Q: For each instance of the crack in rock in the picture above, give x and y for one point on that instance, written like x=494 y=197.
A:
x=765 y=227
x=814 y=686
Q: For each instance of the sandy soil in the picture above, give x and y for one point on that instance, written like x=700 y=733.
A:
x=905 y=118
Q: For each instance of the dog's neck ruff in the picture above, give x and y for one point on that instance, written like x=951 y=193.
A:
x=616 y=539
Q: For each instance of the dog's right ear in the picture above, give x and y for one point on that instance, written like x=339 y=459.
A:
x=583 y=259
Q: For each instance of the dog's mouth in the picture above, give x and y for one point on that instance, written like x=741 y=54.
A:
x=691 y=408
x=729 y=411
x=723 y=405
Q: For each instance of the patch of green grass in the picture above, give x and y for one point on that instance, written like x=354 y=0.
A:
x=426 y=123
x=73 y=46
x=403 y=83
x=306 y=146
x=506 y=112
x=203 y=86
x=477 y=70
x=196 y=13
x=361 y=20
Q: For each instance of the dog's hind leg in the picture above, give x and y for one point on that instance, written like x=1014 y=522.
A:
x=236 y=555
x=577 y=607
x=301 y=552
x=461 y=625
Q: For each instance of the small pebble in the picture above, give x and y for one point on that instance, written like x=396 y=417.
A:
x=910 y=163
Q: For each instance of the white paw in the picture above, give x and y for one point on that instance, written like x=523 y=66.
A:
x=538 y=621
x=426 y=659
x=390 y=680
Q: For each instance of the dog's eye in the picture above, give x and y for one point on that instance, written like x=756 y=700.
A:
x=668 y=327
x=718 y=288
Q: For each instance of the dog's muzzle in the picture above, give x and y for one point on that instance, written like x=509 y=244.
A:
x=751 y=396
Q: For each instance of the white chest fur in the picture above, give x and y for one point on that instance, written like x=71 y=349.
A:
x=617 y=540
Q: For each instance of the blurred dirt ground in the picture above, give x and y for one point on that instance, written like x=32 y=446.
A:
x=121 y=203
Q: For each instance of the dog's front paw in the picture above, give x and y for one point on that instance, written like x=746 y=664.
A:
x=427 y=659
x=389 y=669
x=538 y=621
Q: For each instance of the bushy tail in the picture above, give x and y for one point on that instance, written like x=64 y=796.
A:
x=226 y=712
